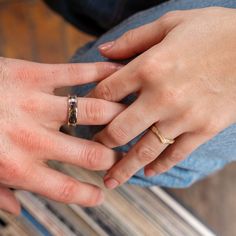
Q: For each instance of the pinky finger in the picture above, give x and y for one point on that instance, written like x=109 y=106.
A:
x=62 y=188
x=184 y=145
x=8 y=201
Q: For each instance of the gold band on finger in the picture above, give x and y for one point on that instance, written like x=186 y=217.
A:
x=162 y=139
x=72 y=110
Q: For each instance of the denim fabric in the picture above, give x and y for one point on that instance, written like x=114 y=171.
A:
x=210 y=156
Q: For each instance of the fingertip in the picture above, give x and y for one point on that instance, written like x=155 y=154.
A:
x=17 y=210
x=17 y=207
x=110 y=183
x=149 y=172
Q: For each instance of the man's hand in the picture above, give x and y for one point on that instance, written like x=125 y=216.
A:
x=31 y=116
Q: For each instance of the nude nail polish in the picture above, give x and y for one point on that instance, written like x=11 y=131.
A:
x=106 y=46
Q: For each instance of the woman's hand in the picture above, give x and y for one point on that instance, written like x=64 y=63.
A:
x=186 y=86
x=31 y=116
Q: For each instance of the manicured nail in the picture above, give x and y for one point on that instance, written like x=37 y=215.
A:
x=106 y=46
x=150 y=173
x=111 y=183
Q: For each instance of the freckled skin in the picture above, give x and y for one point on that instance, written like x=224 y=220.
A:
x=30 y=140
x=31 y=116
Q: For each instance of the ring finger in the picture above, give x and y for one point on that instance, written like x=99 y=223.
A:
x=91 y=111
x=146 y=150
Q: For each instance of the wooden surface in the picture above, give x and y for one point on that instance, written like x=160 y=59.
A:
x=28 y=30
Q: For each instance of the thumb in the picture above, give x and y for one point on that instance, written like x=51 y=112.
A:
x=8 y=201
x=140 y=39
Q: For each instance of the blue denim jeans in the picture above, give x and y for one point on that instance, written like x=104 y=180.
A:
x=210 y=156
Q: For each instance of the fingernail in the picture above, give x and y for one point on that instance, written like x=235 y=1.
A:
x=111 y=183
x=106 y=46
x=150 y=173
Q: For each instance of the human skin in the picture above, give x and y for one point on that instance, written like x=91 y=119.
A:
x=31 y=115
x=185 y=79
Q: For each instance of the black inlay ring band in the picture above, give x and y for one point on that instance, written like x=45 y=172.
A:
x=72 y=110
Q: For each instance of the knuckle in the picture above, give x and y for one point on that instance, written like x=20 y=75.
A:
x=129 y=36
x=23 y=74
x=117 y=134
x=122 y=174
x=169 y=96
x=146 y=72
x=12 y=172
x=25 y=138
x=161 y=167
x=94 y=111
x=92 y=156
x=67 y=191
x=29 y=140
x=30 y=106
x=145 y=153
x=189 y=114
x=104 y=91
x=154 y=68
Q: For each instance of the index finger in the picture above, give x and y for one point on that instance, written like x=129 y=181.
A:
x=51 y=76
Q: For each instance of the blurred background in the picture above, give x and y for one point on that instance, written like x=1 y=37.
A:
x=30 y=30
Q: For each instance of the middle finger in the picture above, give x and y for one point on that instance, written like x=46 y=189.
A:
x=130 y=123
x=147 y=149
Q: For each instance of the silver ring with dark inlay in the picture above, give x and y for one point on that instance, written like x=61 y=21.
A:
x=72 y=110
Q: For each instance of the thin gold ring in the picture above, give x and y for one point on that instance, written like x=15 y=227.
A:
x=162 y=139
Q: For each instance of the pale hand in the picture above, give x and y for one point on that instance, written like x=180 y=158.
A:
x=185 y=79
